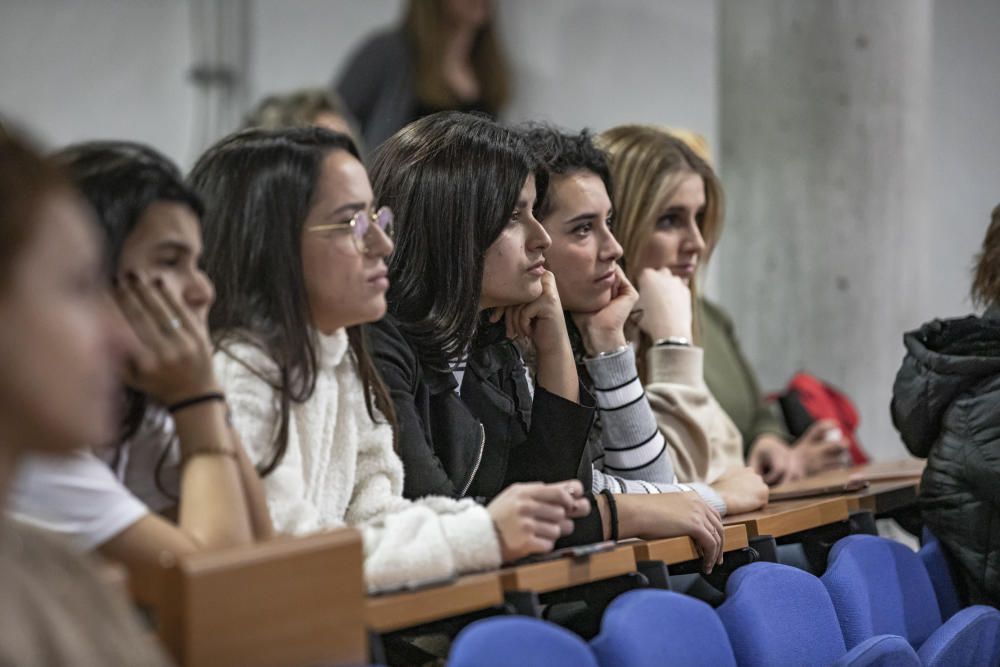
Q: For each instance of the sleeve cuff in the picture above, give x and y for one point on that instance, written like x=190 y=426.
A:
x=612 y=370
x=473 y=540
x=710 y=496
x=676 y=365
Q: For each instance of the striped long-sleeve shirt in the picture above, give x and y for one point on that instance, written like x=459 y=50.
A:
x=628 y=448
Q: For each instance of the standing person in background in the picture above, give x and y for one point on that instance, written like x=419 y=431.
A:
x=946 y=406
x=768 y=447
x=445 y=55
x=61 y=349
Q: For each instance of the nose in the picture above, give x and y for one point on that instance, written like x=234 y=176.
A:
x=377 y=243
x=538 y=239
x=610 y=250
x=694 y=242
x=199 y=292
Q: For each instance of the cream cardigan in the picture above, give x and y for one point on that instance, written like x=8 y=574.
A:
x=340 y=468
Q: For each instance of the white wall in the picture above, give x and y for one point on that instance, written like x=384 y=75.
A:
x=117 y=68
x=74 y=70
x=965 y=146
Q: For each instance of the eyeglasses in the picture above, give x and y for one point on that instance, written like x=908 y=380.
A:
x=361 y=224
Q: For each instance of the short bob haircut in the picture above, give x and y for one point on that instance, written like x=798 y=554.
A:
x=986 y=281
x=120 y=180
x=453 y=180
x=258 y=187
x=563 y=153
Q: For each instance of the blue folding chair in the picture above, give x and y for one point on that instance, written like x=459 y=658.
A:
x=881 y=587
x=519 y=641
x=935 y=559
x=650 y=628
x=780 y=615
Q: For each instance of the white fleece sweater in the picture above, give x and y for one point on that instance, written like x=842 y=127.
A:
x=340 y=468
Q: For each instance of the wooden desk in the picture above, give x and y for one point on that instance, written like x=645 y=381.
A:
x=791 y=516
x=387 y=613
x=675 y=550
x=568 y=572
x=288 y=601
x=881 y=497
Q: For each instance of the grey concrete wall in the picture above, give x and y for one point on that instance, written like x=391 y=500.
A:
x=824 y=117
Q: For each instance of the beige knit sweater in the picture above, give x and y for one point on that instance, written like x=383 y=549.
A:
x=703 y=441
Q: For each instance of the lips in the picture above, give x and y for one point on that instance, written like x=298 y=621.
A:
x=380 y=279
x=684 y=270
x=607 y=279
x=537 y=269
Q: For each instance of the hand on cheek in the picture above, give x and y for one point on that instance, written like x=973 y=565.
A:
x=604 y=330
x=540 y=321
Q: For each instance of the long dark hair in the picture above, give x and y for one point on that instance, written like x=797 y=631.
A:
x=453 y=180
x=120 y=180
x=258 y=187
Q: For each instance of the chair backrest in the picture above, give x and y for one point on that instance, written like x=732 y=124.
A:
x=648 y=627
x=938 y=565
x=880 y=587
x=780 y=615
x=518 y=640
x=288 y=602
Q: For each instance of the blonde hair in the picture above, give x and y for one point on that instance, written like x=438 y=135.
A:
x=426 y=25
x=648 y=165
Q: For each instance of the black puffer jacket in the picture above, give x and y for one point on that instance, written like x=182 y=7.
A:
x=946 y=405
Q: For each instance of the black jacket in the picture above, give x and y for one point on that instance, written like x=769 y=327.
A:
x=491 y=436
x=946 y=405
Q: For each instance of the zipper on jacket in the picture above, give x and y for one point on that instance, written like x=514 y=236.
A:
x=479 y=460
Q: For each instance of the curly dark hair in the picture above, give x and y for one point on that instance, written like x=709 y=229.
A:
x=562 y=153
x=986 y=283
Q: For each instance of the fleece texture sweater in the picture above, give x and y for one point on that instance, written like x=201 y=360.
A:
x=340 y=468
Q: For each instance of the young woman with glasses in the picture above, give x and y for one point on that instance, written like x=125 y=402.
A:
x=296 y=246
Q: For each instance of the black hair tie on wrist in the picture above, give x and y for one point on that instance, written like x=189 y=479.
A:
x=195 y=400
x=613 y=508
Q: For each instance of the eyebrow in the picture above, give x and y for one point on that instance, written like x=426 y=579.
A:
x=352 y=206
x=589 y=215
x=176 y=246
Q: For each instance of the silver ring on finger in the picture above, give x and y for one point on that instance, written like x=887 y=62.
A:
x=175 y=323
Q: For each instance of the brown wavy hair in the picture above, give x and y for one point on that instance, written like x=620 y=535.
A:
x=426 y=26
x=986 y=283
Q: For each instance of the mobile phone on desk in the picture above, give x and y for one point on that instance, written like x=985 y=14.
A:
x=414 y=586
x=579 y=551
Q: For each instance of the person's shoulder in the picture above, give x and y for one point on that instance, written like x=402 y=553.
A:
x=387 y=44
x=242 y=357
x=388 y=340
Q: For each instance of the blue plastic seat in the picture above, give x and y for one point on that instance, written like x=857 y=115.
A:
x=881 y=587
x=647 y=628
x=933 y=555
x=519 y=641
x=779 y=615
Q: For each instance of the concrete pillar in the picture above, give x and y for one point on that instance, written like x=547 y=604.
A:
x=823 y=121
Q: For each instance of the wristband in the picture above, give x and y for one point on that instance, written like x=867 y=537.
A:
x=613 y=510
x=672 y=341
x=195 y=400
